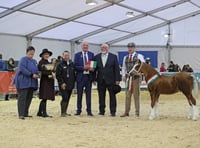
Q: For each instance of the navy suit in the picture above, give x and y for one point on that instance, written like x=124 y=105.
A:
x=83 y=81
x=106 y=76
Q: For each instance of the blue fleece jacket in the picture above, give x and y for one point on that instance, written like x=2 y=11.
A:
x=23 y=78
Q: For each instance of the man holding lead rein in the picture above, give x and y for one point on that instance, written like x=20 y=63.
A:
x=131 y=79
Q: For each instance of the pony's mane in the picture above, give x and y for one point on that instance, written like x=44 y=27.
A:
x=146 y=68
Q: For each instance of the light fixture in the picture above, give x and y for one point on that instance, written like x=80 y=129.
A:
x=91 y=2
x=129 y=14
x=166 y=35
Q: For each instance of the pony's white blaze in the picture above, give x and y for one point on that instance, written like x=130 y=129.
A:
x=134 y=67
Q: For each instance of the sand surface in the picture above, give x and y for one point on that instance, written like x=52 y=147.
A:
x=171 y=130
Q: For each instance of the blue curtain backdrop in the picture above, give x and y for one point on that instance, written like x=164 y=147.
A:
x=153 y=55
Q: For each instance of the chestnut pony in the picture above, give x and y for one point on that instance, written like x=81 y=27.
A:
x=162 y=84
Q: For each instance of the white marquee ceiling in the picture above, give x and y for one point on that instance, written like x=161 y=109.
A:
x=74 y=20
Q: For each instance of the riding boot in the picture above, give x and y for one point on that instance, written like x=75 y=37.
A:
x=66 y=108
x=63 y=109
x=6 y=97
x=40 y=113
x=45 y=110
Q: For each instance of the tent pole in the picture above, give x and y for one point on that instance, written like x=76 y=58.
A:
x=72 y=49
x=29 y=41
x=169 y=40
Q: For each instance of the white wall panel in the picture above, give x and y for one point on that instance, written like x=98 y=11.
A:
x=15 y=46
x=184 y=56
x=155 y=37
x=57 y=47
x=186 y=33
x=12 y=46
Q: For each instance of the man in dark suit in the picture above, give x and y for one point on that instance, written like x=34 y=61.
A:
x=107 y=76
x=84 y=77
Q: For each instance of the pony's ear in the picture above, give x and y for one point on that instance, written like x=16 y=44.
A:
x=138 y=61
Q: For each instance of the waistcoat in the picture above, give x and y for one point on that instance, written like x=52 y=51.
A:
x=129 y=65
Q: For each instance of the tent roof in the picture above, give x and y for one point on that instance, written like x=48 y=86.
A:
x=74 y=20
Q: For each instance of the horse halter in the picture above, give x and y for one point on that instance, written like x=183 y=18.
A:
x=134 y=68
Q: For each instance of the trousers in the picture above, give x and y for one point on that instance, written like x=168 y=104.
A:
x=24 y=101
x=136 y=93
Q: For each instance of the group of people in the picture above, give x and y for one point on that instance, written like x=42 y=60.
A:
x=9 y=66
x=86 y=68
x=175 y=68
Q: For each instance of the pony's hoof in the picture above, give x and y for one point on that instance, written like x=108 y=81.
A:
x=151 y=117
x=194 y=118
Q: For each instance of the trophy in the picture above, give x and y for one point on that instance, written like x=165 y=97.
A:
x=49 y=67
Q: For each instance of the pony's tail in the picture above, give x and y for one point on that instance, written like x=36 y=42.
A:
x=195 y=89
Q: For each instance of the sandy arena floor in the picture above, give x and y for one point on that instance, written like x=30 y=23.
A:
x=171 y=130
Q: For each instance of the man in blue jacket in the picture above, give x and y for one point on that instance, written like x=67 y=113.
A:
x=84 y=77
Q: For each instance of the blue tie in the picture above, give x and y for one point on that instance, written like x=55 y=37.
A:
x=85 y=58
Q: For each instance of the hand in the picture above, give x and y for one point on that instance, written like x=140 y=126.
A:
x=124 y=79
x=94 y=82
x=117 y=83
x=15 y=68
x=63 y=86
x=86 y=67
x=91 y=69
x=35 y=76
x=127 y=74
x=53 y=74
x=140 y=74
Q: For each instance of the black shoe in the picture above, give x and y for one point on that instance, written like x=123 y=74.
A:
x=28 y=116
x=47 y=116
x=39 y=114
x=137 y=116
x=63 y=115
x=113 y=114
x=124 y=115
x=102 y=114
x=21 y=117
x=77 y=114
x=90 y=114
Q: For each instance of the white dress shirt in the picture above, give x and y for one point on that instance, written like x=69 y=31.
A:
x=140 y=57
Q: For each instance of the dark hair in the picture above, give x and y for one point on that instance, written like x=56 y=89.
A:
x=59 y=57
x=66 y=51
x=11 y=59
x=30 y=48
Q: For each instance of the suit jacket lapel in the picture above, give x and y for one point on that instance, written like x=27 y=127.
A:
x=100 y=61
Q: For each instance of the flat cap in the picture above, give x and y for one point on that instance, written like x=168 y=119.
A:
x=131 y=44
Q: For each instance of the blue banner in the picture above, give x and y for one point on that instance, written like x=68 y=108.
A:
x=153 y=55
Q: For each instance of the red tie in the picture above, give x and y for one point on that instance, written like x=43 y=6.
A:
x=130 y=58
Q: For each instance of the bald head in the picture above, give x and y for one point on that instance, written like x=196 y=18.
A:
x=85 y=46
